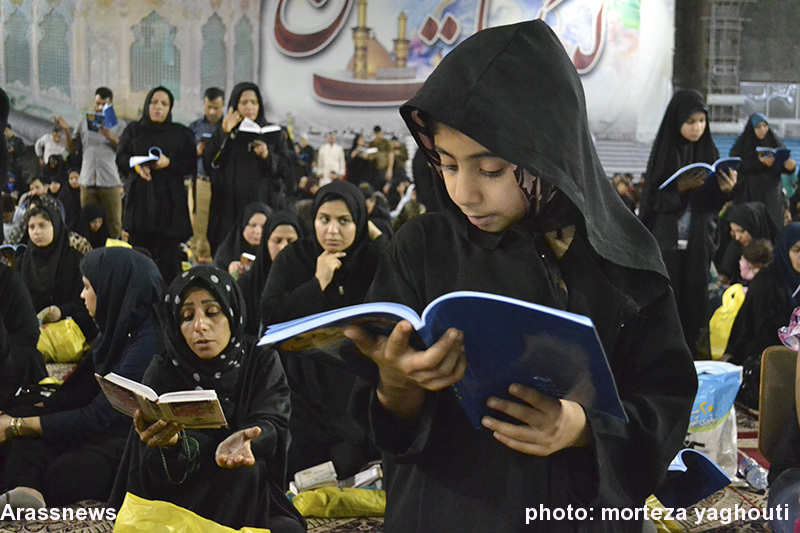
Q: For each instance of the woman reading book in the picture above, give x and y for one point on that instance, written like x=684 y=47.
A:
x=328 y=270
x=682 y=216
x=529 y=213
x=234 y=476
x=76 y=431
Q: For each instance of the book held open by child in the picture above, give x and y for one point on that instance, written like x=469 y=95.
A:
x=506 y=341
x=195 y=409
x=723 y=164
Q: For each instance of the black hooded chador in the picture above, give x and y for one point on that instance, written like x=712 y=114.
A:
x=235 y=244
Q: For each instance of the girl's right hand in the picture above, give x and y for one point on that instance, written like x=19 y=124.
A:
x=144 y=172
x=157 y=435
x=766 y=159
x=327 y=265
x=231 y=120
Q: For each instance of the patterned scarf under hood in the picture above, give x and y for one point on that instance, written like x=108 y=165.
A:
x=514 y=90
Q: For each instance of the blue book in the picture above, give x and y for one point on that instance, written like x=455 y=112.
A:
x=691 y=476
x=780 y=154
x=506 y=341
x=722 y=164
x=105 y=119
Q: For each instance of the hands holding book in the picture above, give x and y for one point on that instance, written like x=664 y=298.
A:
x=158 y=434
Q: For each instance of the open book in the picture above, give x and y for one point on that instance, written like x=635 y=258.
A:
x=269 y=133
x=107 y=118
x=691 y=476
x=780 y=154
x=153 y=154
x=195 y=409
x=506 y=341
x=723 y=164
x=16 y=249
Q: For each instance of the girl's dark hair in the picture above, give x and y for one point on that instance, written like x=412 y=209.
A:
x=39 y=210
x=758 y=252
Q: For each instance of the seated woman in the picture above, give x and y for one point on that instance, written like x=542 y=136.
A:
x=747 y=222
x=243 y=238
x=771 y=297
x=282 y=229
x=236 y=475
x=76 y=431
x=91 y=224
x=50 y=268
x=331 y=269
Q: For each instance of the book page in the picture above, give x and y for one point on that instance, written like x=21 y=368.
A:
x=126 y=383
x=195 y=414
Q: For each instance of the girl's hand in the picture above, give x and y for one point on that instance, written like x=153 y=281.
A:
x=327 y=265
x=163 y=162
x=5 y=428
x=789 y=165
x=691 y=181
x=260 y=149
x=144 y=172
x=766 y=159
x=235 y=451
x=231 y=120
x=157 y=435
x=373 y=230
x=548 y=425
x=727 y=180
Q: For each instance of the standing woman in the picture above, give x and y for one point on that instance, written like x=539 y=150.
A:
x=682 y=216
x=760 y=177
x=360 y=166
x=242 y=170
x=331 y=269
x=156 y=208
x=236 y=475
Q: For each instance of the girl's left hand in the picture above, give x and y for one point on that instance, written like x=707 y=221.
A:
x=235 y=451
x=548 y=425
x=373 y=230
x=261 y=149
x=727 y=181
x=163 y=162
x=789 y=165
x=766 y=159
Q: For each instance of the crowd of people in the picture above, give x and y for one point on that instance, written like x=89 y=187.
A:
x=289 y=230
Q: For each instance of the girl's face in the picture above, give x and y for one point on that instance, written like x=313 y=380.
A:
x=761 y=130
x=73 y=180
x=361 y=141
x=694 y=127
x=89 y=297
x=40 y=231
x=54 y=187
x=794 y=256
x=740 y=234
x=334 y=226
x=281 y=237
x=481 y=184
x=95 y=224
x=252 y=231
x=248 y=104
x=158 y=109
x=204 y=326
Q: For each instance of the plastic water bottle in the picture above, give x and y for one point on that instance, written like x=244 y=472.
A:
x=753 y=472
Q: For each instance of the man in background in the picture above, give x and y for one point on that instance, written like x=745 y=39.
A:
x=203 y=128
x=330 y=161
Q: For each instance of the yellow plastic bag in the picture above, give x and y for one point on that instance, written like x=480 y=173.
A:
x=333 y=502
x=662 y=524
x=62 y=342
x=722 y=320
x=138 y=515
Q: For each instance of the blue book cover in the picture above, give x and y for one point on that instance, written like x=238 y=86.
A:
x=506 y=341
x=691 y=476
x=780 y=154
x=723 y=164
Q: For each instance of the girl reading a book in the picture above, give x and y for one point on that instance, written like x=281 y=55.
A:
x=234 y=476
x=529 y=213
x=682 y=216
x=68 y=449
x=760 y=175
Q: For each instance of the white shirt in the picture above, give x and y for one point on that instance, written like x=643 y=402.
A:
x=330 y=159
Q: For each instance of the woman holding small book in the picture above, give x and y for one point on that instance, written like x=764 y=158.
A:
x=682 y=216
x=68 y=448
x=244 y=238
x=528 y=213
x=236 y=475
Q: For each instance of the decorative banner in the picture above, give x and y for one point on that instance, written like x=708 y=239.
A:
x=328 y=64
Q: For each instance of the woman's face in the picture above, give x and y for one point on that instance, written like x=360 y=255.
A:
x=158 y=110
x=761 y=130
x=54 y=187
x=281 y=237
x=794 y=256
x=40 y=231
x=361 y=141
x=204 y=326
x=334 y=226
x=694 y=127
x=740 y=234
x=248 y=104
x=95 y=224
x=73 y=180
x=481 y=184
x=252 y=231
x=89 y=297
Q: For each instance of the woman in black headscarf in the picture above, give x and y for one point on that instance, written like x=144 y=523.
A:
x=771 y=297
x=745 y=223
x=331 y=269
x=156 y=210
x=76 y=429
x=360 y=164
x=528 y=213
x=235 y=475
x=70 y=196
x=282 y=229
x=242 y=166
x=682 y=216
x=91 y=223
x=760 y=177
x=50 y=268
x=244 y=238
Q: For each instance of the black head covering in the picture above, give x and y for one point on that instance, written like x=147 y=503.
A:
x=789 y=277
x=39 y=265
x=236 y=94
x=71 y=199
x=753 y=217
x=5 y=107
x=671 y=150
x=222 y=372
x=128 y=286
x=501 y=87
x=352 y=196
x=145 y=120
x=88 y=213
x=235 y=244
x=745 y=146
